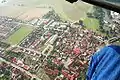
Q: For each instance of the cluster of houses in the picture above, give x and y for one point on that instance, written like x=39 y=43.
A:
x=9 y=72
x=73 y=49
x=68 y=44
x=112 y=24
x=7 y=26
x=61 y=49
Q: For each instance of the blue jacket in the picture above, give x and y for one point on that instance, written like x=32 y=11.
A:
x=105 y=64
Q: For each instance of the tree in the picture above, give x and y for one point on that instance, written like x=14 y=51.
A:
x=49 y=61
x=60 y=67
x=90 y=15
x=34 y=79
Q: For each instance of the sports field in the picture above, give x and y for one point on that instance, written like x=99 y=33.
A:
x=19 y=35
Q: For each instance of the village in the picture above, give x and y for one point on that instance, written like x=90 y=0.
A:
x=54 y=50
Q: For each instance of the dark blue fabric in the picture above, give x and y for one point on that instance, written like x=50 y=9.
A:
x=105 y=64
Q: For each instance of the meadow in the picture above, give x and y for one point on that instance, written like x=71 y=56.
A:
x=19 y=35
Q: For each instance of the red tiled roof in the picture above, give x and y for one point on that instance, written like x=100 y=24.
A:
x=56 y=61
x=72 y=77
x=76 y=51
x=65 y=73
x=14 y=60
x=26 y=67
x=37 y=41
x=49 y=71
x=56 y=72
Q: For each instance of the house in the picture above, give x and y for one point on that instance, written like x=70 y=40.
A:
x=26 y=67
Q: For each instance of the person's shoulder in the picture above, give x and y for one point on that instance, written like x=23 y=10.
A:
x=102 y=50
x=107 y=50
x=115 y=48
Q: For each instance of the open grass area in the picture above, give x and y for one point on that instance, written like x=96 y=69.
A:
x=75 y=11
x=19 y=35
x=91 y=23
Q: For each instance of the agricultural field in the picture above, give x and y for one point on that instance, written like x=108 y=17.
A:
x=33 y=13
x=22 y=9
x=23 y=13
x=19 y=35
x=76 y=11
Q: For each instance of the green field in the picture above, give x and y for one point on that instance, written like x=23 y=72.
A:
x=19 y=35
x=91 y=23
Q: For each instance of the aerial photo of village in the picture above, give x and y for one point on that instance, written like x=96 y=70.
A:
x=52 y=39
